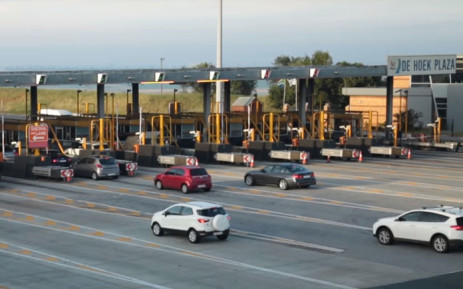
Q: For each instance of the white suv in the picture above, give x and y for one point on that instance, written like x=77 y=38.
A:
x=198 y=219
x=442 y=227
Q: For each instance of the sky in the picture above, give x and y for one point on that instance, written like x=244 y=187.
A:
x=130 y=34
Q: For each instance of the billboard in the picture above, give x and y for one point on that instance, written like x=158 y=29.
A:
x=421 y=64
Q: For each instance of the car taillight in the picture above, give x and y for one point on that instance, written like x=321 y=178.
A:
x=99 y=166
x=69 y=160
x=297 y=176
x=54 y=161
x=457 y=228
x=228 y=218
x=202 y=220
x=312 y=175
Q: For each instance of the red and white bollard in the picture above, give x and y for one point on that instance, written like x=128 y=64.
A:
x=360 y=157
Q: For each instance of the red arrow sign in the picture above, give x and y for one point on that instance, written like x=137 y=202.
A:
x=190 y=161
x=38 y=136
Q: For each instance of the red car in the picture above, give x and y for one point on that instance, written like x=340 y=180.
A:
x=185 y=178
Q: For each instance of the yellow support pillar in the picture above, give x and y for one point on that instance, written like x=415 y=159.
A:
x=101 y=134
x=217 y=128
x=370 y=124
x=321 y=129
x=161 y=130
x=439 y=123
x=271 y=127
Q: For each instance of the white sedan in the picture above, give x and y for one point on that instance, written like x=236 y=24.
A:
x=197 y=219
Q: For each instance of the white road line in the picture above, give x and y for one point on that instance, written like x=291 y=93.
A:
x=181 y=251
x=81 y=267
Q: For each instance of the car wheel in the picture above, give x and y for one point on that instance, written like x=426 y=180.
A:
x=440 y=243
x=283 y=184
x=385 y=236
x=249 y=180
x=158 y=185
x=94 y=176
x=224 y=235
x=184 y=189
x=193 y=236
x=157 y=230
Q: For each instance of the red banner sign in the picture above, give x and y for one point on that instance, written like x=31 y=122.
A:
x=38 y=136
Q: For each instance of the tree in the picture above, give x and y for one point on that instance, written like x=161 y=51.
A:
x=411 y=118
x=277 y=92
x=328 y=90
x=243 y=87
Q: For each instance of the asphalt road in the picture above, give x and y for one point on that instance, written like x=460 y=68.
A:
x=96 y=234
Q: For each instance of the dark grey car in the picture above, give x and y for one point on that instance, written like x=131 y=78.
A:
x=285 y=175
x=97 y=167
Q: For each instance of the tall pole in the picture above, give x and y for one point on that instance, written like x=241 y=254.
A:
x=78 y=101
x=3 y=129
x=27 y=91
x=162 y=60
x=219 y=96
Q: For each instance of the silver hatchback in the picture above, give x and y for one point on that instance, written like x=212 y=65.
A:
x=97 y=167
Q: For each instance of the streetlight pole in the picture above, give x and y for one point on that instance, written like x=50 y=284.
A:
x=219 y=96
x=162 y=60
x=175 y=103
x=129 y=110
x=27 y=92
x=78 y=102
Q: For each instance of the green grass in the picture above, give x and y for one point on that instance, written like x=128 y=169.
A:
x=14 y=100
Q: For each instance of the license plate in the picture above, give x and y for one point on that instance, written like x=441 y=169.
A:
x=201 y=186
x=217 y=233
x=306 y=177
x=111 y=175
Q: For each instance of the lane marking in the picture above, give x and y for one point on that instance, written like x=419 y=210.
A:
x=66 y=263
x=183 y=252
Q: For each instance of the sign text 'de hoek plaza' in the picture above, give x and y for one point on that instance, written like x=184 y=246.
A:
x=38 y=136
x=421 y=65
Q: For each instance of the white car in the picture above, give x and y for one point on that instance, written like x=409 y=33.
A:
x=197 y=219
x=442 y=227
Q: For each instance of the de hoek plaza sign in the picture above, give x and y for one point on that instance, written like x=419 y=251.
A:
x=421 y=65
x=37 y=136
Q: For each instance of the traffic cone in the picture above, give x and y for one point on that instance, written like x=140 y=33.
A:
x=196 y=162
x=252 y=162
x=304 y=158
x=409 y=154
x=68 y=178
x=328 y=159
x=361 y=157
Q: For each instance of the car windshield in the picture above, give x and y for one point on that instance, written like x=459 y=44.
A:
x=107 y=161
x=295 y=168
x=211 y=212
x=198 y=172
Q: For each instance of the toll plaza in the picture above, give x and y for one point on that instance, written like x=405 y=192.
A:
x=222 y=132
